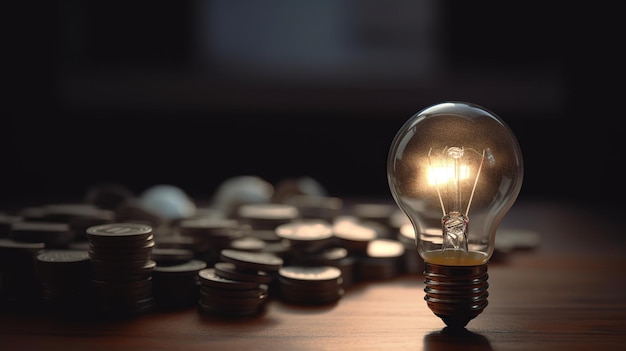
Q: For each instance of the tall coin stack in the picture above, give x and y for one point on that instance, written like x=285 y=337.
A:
x=65 y=280
x=122 y=265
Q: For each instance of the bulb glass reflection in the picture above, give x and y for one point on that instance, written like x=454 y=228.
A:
x=455 y=166
x=455 y=169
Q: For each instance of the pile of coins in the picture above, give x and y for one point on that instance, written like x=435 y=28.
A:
x=239 y=285
x=109 y=256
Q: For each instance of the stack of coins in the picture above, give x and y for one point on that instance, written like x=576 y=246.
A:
x=382 y=260
x=177 y=285
x=122 y=268
x=230 y=271
x=210 y=235
x=378 y=215
x=65 y=277
x=353 y=234
x=254 y=263
x=19 y=283
x=227 y=297
x=239 y=284
x=306 y=236
x=335 y=256
x=310 y=285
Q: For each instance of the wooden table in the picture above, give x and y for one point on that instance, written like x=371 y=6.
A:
x=568 y=294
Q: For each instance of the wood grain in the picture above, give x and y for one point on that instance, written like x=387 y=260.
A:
x=568 y=294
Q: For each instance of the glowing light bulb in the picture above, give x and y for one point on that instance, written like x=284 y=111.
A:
x=458 y=163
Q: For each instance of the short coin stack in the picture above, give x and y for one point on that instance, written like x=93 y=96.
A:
x=177 y=285
x=382 y=260
x=239 y=284
x=311 y=285
x=122 y=267
x=311 y=242
x=307 y=236
x=65 y=282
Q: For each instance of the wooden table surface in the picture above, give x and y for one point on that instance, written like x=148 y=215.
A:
x=568 y=294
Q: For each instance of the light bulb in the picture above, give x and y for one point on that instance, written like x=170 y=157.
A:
x=460 y=166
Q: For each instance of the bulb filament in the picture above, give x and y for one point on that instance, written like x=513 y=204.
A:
x=454 y=171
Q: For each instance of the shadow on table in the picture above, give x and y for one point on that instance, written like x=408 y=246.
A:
x=450 y=339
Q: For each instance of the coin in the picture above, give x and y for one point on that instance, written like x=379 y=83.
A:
x=229 y=271
x=119 y=231
x=310 y=284
x=171 y=256
x=210 y=278
x=258 y=261
x=352 y=234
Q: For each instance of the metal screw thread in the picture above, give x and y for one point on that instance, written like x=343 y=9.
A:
x=456 y=294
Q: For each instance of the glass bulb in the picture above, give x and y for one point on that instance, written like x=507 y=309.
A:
x=455 y=169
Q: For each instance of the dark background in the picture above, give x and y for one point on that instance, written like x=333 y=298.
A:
x=191 y=93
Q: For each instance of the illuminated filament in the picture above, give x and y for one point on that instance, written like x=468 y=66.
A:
x=454 y=171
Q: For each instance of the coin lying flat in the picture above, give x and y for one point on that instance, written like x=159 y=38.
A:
x=313 y=274
x=248 y=243
x=257 y=261
x=306 y=235
x=119 y=232
x=63 y=256
x=229 y=271
x=210 y=278
x=171 y=256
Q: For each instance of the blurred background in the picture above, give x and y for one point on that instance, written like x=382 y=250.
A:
x=191 y=93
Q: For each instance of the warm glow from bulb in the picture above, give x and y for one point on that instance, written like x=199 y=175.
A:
x=450 y=172
x=454 y=169
x=448 y=163
x=438 y=175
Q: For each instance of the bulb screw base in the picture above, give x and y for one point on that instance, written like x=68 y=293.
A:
x=456 y=294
